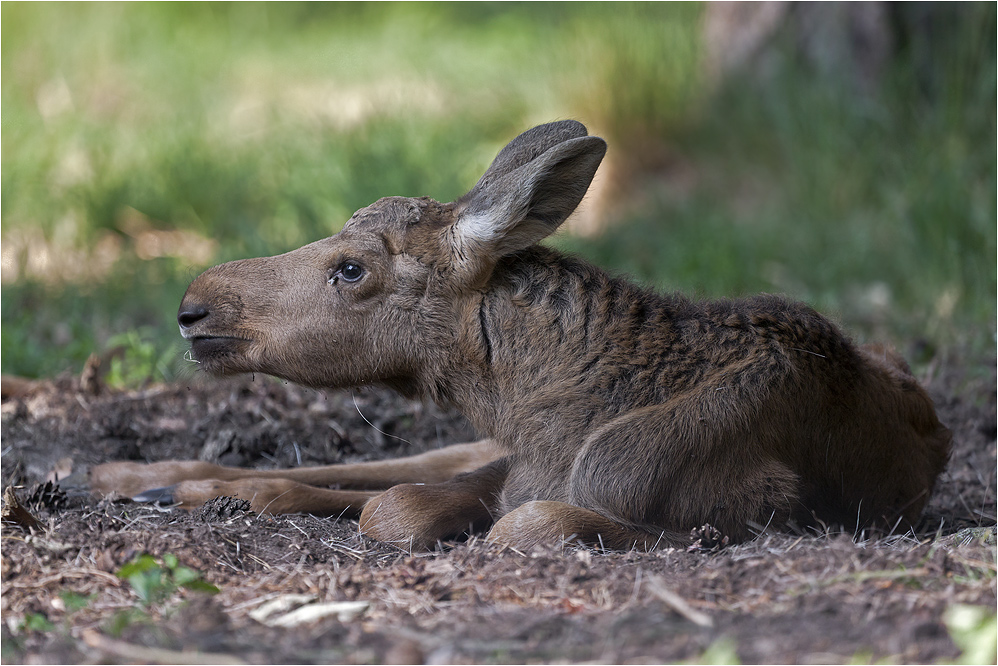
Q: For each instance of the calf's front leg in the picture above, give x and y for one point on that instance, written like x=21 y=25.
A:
x=274 y=496
x=416 y=516
x=130 y=479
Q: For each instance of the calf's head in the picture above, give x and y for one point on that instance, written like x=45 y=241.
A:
x=376 y=302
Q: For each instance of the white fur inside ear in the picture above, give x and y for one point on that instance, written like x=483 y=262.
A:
x=494 y=215
x=479 y=227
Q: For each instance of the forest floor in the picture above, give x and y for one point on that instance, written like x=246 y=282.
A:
x=76 y=587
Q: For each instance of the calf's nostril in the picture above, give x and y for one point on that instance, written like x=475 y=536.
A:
x=189 y=316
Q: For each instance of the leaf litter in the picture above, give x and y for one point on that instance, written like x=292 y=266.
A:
x=781 y=598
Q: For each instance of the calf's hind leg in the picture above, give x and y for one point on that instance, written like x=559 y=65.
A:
x=547 y=522
x=682 y=464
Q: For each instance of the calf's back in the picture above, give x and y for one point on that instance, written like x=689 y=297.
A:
x=563 y=349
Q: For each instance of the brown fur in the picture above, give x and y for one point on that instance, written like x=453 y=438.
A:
x=615 y=414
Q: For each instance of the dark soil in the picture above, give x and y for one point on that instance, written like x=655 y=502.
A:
x=782 y=598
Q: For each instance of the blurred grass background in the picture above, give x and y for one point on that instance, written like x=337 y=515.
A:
x=145 y=142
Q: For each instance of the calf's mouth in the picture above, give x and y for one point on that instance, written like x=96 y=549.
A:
x=219 y=354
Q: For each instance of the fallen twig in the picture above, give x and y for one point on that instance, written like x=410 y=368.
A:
x=657 y=587
x=143 y=654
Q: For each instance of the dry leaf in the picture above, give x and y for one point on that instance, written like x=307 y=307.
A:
x=15 y=514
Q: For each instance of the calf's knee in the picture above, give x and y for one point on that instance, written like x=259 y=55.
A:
x=416 y=517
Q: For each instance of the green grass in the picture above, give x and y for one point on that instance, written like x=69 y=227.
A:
x=878 y=209
x=254 y=128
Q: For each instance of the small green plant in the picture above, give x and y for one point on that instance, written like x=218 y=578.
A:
x=39 y=622
x=136 y=359
x=975 y=631
x=74 y=601
x=722 y=651
x=125 y=618
x=154 y=582
x=36 y=622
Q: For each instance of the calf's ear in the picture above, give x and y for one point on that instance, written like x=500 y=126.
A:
x=533 y=185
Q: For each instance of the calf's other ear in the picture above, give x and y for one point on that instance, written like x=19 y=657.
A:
x=533 y=185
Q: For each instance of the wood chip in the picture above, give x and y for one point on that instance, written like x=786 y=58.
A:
x=281 y=604
x=343 y=610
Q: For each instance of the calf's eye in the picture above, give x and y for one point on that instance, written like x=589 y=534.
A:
x=351 y=272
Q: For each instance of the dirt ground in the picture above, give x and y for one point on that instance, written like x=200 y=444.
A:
x=782 y=598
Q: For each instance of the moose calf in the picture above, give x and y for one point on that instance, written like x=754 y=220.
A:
x=614 y=415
